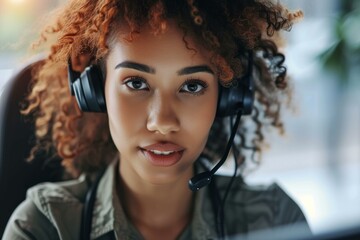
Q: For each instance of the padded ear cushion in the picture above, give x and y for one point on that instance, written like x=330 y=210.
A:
x=77 y=90
x=89 y=90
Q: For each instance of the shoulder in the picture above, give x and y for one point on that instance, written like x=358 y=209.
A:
x=259 y=206
x=68 y=192
x=272 y=201
x=21 y=224
x=50 y=211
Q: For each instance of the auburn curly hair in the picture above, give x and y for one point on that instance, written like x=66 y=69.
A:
x=229 y=29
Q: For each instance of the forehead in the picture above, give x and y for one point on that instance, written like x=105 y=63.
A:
x=170 y=47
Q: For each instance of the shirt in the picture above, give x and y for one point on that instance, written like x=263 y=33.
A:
x=54 y=210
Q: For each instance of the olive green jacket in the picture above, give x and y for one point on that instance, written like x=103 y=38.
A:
x=54 y=210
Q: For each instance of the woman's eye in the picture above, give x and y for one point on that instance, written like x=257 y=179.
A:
x=194 y=86
x=136 y=83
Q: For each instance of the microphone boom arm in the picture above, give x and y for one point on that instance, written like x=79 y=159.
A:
x=204 y=178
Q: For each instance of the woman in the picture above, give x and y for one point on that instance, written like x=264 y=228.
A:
x=159 y=70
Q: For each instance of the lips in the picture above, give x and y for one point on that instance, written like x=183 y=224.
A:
x=163 y=154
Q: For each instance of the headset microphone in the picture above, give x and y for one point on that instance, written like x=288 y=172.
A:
x=202 y=179
x=235 y=100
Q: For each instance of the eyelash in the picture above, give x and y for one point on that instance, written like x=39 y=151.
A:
x=137 y=78
x=196 y=81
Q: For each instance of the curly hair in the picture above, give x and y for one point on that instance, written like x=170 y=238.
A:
x=228 y=29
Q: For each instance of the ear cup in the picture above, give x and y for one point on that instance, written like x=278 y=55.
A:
x=93 y=86
x=240 y=97
x=88 y=89
x=236 y=98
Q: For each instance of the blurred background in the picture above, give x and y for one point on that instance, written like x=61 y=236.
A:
x=318 y=160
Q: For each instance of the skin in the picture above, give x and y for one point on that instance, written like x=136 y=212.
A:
x=161 y=105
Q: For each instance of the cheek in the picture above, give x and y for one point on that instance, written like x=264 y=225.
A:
x=199 y=121
x=126 y=118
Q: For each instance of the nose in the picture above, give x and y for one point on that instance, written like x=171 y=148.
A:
x=162 y=116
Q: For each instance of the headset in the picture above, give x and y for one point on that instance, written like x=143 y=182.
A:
x=88 y=89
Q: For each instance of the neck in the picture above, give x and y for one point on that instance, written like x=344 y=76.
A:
x=157 y=207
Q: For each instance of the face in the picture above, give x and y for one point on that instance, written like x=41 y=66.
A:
x=161 y=101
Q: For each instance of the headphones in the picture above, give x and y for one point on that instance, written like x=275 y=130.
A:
x=88 y=89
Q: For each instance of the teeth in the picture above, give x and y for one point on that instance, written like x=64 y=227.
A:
x=161 y=152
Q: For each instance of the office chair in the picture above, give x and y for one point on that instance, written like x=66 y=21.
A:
x=16 y=140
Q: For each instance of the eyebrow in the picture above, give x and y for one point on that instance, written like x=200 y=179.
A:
x=147 y=69
x=136 y=66
x=195 y=69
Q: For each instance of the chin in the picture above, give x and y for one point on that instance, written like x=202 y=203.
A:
x=165 y=176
